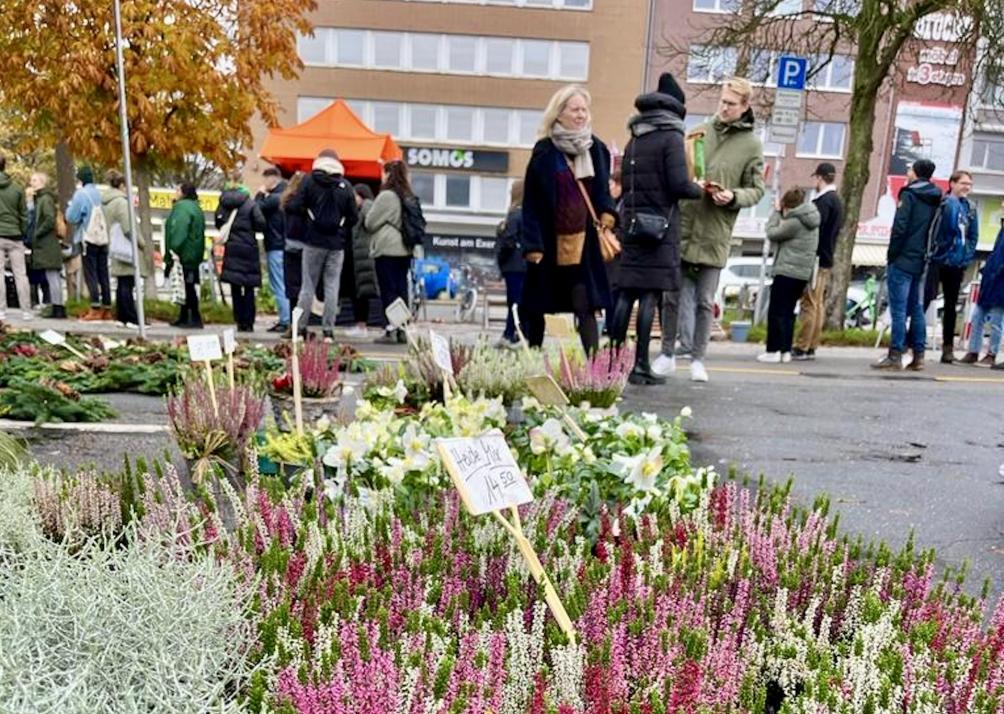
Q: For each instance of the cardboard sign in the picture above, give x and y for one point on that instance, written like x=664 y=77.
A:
x=204 y=348
x=547 y=391
x=229 y=341
x=484 y=472
x=53 y=337
x=441 y=352
x=398 y=313
x=559 y=326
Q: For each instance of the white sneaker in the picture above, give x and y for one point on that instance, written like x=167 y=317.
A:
x=27 y=316
x=785 y=357
x=697 y=372
x=769 y=358
x=664 y=365
x=357 y=331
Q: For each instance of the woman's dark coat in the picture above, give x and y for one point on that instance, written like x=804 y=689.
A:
x=241 y=259
x=992 y=283
x=654 y=177
x=543 y=292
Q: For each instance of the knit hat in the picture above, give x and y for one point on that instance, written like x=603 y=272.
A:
x=924 y=168
x=85 y=175
x=328 y=154
x=668 y=85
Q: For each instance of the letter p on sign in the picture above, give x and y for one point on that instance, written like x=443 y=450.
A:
x=791 y=72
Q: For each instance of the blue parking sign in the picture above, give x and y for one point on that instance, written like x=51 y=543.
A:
x=791 y=72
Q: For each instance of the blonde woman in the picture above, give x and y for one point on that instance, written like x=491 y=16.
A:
x=567 y=180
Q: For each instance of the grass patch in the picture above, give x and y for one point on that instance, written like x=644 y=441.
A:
x=851 y=337
x=166 y=311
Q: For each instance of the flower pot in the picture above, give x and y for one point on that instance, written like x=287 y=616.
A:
x=313 y=408
x=740 y=330
x=514 y=414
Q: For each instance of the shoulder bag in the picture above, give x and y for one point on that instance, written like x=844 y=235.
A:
x=610 y=246
x=644 y=227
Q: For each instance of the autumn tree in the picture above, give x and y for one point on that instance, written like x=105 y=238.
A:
x=196 y=73
x=875 y=33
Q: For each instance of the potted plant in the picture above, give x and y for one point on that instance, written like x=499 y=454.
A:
x=598 y=380
x=320 y=380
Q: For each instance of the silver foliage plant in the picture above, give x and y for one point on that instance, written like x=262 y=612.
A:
x=148 y=626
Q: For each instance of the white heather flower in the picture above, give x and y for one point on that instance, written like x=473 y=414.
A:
x=686 y=412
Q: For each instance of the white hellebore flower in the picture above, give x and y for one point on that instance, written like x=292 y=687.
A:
x=629 y=430
x=549 y=436
x=398 y=392
x=686 y=412
x=351 y=446
x=645 y=470
x=395 y=471
x=416 y=444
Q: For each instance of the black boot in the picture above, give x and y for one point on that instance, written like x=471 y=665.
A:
x=892 y=361
x=183 y=317
x=57 y=312
x=643 y=374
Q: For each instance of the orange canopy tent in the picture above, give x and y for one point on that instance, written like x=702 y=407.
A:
x=361 y=150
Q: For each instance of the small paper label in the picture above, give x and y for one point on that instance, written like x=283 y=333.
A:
x=204 y=348
x=559 y=326
x=398 y=313
x=53 y=337
x=229 y=341
x=484 y=472
x=441 y=352
x=547 y=391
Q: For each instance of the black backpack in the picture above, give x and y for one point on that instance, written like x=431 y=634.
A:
x=327 y=214
x=412 y=222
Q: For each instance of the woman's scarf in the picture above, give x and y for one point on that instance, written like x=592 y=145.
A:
x=575 y=143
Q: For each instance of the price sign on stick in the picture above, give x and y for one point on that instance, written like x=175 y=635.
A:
x=297 y=383
x=205 y=349
x=398 y=314
x=59 y=340
x=229 y=346
x=560 y=326
x=489 y=480
x=549 y=393
x=443 y=359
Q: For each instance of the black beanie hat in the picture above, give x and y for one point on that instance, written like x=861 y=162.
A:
x=668 y=85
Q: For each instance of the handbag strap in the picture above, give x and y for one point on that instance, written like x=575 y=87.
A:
x=584 y=192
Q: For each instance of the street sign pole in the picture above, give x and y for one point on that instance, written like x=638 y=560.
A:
x=127 y=160
x=789 y=100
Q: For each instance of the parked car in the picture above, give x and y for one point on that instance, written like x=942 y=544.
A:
x=739 y=272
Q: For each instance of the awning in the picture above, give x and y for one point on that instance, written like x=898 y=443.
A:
x=361 y=150
x=869 y=255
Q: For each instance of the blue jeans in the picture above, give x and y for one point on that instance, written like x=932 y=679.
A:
x=513 y=294
x=905 y=293
x=996 y=317
x=277 y=282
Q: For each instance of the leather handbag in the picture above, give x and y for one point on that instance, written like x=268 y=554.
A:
x=610 y=246
x=644 y=227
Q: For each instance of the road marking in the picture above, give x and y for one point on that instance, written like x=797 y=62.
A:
x=754 y=370
x=996 y=380
x=98 y=427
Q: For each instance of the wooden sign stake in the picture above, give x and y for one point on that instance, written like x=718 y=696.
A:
x=519 y=328
x=297 y=385
x=212 y=386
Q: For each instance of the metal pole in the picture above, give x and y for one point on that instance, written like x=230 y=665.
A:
x=127 y=158
x=775 y=187
x=649 y=39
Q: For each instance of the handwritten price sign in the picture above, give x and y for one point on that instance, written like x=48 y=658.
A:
x=484 y=472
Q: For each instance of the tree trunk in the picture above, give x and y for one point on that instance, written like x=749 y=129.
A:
x=66 y=180
x=146 y=226
x=856 y=175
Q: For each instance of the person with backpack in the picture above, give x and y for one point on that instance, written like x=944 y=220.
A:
x=396 y=225
x=238 y=217
x=185 y=233
x=989 y=307
x=907 y=258
x=512 y=264
x=327 y=203
x=363 y=267
x=46 y=248
x=953 y=239
x=13 y=219
x=268 y=198
x=91 y=237
x=116 y=210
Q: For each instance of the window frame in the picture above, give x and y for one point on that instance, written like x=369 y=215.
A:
x=712 y=79
x=817 y=153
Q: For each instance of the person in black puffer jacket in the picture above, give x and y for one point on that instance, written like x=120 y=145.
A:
x=241 y=259
x=654 y=176
x=512 y=264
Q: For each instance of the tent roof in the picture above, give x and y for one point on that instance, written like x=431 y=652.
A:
x=360 y=149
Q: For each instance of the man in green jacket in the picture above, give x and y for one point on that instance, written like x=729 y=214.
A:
x=733 y=172
x=185 y=231
x=13 y=221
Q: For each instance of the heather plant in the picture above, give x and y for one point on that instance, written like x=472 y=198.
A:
x=73 y=508
x=490 y=372
x=211 y=436
x=111 y=629
x=598 y=379
x=320 y=376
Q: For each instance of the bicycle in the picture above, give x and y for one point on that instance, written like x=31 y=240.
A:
x=467 y=295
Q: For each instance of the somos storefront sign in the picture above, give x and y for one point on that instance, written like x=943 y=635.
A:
x=434 y=157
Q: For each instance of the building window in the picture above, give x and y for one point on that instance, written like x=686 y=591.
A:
x=787 y=7
x=694 y=120
x=992 y=93
x=495 y=126
x=494 y=194
x=387 y=49
x=711 y=64
x=988 y=154
x=761 y=66
x=307 y=107
x=446 y=54
x=529 y=122
x=387 y=118
x=424 y=119
x=769 y=147
x=545 y=4
x=424 y=186
x=460 y=124
x=837 y=76
x=716 y=5
x=458 y=191
x=837 y=7
x=821 y=140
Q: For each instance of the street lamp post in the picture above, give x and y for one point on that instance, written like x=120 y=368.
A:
x=127 y=157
